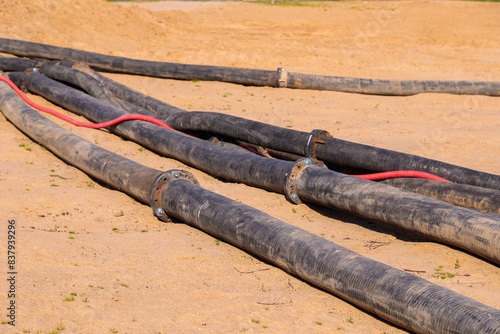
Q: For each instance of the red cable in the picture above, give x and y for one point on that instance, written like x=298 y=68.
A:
x=84 y=124
x=401 y=173
x=376 y=176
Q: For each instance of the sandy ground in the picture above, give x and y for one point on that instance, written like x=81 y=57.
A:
x=130 y=273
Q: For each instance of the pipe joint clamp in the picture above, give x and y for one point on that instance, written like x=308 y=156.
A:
x=291 y=177
x=26 y=73
x=160 y=183
x=312 y=140
x=281 y=78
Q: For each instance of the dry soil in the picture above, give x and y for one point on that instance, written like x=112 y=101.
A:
x=130 y=273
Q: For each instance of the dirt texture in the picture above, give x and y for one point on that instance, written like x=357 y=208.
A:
x=93 y=260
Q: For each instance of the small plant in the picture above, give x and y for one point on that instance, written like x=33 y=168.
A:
x=319 y=323
x=294 y=210
x=217 y=242
x=144 y=231
x=113 y=330
x=124 y=285
x=140 y=149
x=58 y=329
x=69 y=299
x=85 y=300
x=256 y=321
x=340 y=328
x=350 y=320
x=457 y=264
x=262 y=288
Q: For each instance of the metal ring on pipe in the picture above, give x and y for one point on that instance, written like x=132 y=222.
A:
x=160 y=183
x=312 y=140
x=290 y=177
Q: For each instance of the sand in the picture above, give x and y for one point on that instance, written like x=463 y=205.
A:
x=131 y=273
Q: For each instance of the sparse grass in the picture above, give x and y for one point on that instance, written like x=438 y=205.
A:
x=350 y=320
x=26 y=147
x=58 y=329
x=256 y=321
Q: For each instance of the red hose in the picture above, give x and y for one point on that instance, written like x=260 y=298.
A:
x=401 y=173
x=84 y=124
x=376 y=176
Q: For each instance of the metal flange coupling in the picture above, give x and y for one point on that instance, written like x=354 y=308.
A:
x=290 y=177
x=160 y=183
x=312 y=140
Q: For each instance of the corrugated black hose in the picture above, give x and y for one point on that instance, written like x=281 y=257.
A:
x=416 y=213
x=399 y=297
x=334 y=151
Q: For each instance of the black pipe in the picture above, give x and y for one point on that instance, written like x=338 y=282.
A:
x=389 y=87
x=274 y=175
x=346 y=153
x=109 y=168
x=334 y=151
x=458 y=194
x=81 y=79
x=279 y=78
x=433 y=219
x=15 y=64
x=401 y=298
x=141 y=67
